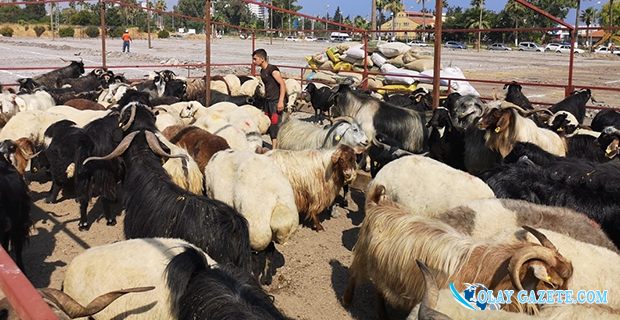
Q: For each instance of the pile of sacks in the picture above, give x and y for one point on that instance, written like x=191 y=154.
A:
x=397 y=61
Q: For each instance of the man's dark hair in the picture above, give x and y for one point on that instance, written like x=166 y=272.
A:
x=261 y=53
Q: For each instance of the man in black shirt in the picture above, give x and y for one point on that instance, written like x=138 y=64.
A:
x=275 y=91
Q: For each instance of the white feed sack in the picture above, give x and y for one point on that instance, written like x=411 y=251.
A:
x=393 y=49
x=461 y=86
x=398 y=75
x=378 y=59
x=355 y=52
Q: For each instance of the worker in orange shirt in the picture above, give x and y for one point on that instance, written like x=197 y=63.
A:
x=126 y=39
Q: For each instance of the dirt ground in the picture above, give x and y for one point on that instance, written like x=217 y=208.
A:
x=313 y=266
x=543 y=68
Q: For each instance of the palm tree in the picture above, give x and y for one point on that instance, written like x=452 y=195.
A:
x=394 y=6
x=517 y=12
x=479 y=4
x=360 y=22
x=587 y=16
x=373 y=18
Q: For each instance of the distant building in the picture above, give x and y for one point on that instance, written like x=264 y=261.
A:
x=261 y=12
x=409 y=20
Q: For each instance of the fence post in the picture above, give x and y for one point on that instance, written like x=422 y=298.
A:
x=365 y=75
x=207 y=53
x=24 y=298
x=103 y=33
x=253 y=67
x=437 y=61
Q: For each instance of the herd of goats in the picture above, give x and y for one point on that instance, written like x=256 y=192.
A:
x=498 y=193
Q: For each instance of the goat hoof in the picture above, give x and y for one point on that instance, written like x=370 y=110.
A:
x=84 y=226
x=111 y=222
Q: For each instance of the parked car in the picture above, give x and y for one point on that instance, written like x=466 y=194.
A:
x=566 y=49
x=291 y=38
x=455 y=45
x=605 y=50
x=417 y=43
x=499 y=47
x=530 y=46
x=552 y=46
x=310 y=38
x=321 y=39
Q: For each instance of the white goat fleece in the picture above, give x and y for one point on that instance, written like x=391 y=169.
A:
x=40 y=100
x=231 y=177
x=425 y=186
x=234 y=84
x=218 y=125
x=126 y=264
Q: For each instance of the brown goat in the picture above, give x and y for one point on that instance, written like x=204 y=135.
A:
x=391 y=239
x=84 y=104
x=200 y=144
x=508 y=124
x=20 y=152
x=317 y=176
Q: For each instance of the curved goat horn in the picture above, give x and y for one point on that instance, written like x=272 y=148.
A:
x=132 y=117
x=32 y=156
x=120 y=149
x=541 y=238
x=153 y=143
x=75 y=310
x=524 y=255
x=431 y=295
x=346 y=119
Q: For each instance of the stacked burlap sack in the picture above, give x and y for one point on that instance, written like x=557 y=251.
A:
x=397 y=61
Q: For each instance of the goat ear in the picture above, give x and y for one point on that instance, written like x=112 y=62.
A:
x=503 y=122
x=506 y=85
x=336 y=155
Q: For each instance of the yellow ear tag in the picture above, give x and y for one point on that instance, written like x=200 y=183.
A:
x=498 y=129
x=338 y=137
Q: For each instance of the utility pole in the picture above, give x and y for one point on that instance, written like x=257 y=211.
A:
x=271 y=24
x=373 y=19
x=148 y=21
x=207 y=52
x=52 y=19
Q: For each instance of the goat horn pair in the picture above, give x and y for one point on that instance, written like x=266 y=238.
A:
x=546 y=253
x=431 y=295
x=120 y=149
x=521 y=111
x=132 y=116
x=75 y=310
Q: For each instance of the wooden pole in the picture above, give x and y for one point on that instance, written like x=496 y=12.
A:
x=148 y=22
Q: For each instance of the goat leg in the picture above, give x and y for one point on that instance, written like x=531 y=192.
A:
x=83 y=224
x=16 y=248
x=266 y=278
x=53 y=193
x=347 y=297
x=345 y=192
x=316 y=223
x=109 y=216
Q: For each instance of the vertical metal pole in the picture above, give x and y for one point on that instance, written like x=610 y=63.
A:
x=271 y=24
x=437 y=61
x=207 y=53
x=148 y=22
x=571 y=61
x=103 y=32
x=52 y=19
x=365 y=74
x=253 y=67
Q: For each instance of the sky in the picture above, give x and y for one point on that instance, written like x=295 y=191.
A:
x=362 y=7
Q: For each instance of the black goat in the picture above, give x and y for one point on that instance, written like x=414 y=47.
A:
x=156 y=207
x=574 y=104
x=52 y=78
x=199 y=291
x=14 y=211
x=175 y=88
x=514 y=95
x=93 y=81
x=606 y=118
x=445 y=143
x=382 y=151
x=419 y=100
x=27 y=85
x=585 y=186
x=322 y=99
x=217 y=96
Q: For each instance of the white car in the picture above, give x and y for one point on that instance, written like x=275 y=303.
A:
x=552 y=46
x=605 y=50
x=566 y=49
x=310 y=38
x=417 y=43
x=291 y=38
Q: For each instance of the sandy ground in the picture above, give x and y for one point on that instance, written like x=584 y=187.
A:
x=544 y=68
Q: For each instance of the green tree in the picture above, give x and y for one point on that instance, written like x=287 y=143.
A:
x=588 y=16
x=337 y=16
x=34 y=12
x=517 y=13
x=604 y=17
x=360 y=22
x=10 y=13
x=479 y=5
x=394 y=6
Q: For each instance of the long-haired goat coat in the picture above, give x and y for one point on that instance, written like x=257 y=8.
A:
x=295 y=134
x=391 y=239
x=156 y=207
x=317 y=176
x=270 y=209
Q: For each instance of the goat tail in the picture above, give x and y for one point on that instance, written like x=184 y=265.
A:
x=179 y=273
